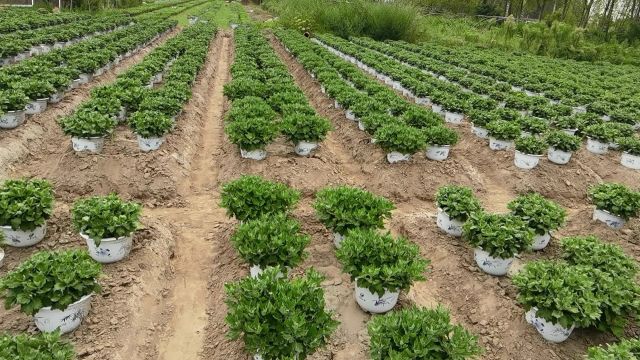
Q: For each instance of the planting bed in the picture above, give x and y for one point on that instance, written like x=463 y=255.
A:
x=166 y=300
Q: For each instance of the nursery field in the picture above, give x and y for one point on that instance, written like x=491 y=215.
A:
x=158 y=165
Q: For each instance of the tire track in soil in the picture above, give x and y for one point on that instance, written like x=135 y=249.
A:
x=196 y=248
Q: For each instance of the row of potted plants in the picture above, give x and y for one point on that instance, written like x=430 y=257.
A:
x=151 y=112
x=28 y=87
x=266 y=102
x=614 y=203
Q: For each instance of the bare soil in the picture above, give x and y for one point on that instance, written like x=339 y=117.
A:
x=166 y=301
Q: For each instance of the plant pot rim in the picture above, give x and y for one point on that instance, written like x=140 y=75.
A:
x=630 y=154
x=609 y=213
x=440 y=146
x=110 y=239
x=9 y=227
x=84 y=298
x=90 y=138
x=520 y=152
x=15 y=111
x=597 y=140
x=495 y=257
x=495 y=138
x=43 y=99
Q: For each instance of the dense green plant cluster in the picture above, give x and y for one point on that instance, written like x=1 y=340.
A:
x=345 y=208
x=420 y=333
x=617 y=199
x=55 y=279
x=502 y=236
x=458 y=202
x=251 y=197
x=41 y=346
x=379 y=262
x=279 y=318
x=530 y=145
x=102 y=217
x=626 y=349
x=562 y=141
x=542 y=215
x=25 y=204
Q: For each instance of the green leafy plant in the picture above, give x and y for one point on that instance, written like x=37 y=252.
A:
x=250 y=197
x=13 y=100
x=379 y=262
x=37 y=89
x=616 y=199
x=562 y=294
x=55 y=279
x=457 y=201
x=420 y=333
x=566 y=122
x=252 y=134
x=601 y=132
x=421 y=118
x=241 y=87
x=530 y=145
x=344 y=208
x=502 y=236
x=25 y=204
x=562 y=141
x=542 y=215
x=308 y=128
x=626 y=349
x=373 y=122
x=504 y=130
x=251 y=107
x=40 y=346
x=279 y=318
x=88 y=124
x=271 y=240
x=533 y=125
x=440 y=135
x=102 y=217
x=150 y=124
x=401 y=138
x=630 y=145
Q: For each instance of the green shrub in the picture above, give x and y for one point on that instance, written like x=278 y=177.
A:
x=419 y=333
x=540 y=214
x=626 y=349
x=250 y=107
x=308 y=128
x=502 y=236
x=13 y=100
x=25 y=204
x=457 y=201
x=103 y=217
x=373 y=122
x=440 y=135
x=421 y=118
x=379 y=262
x=562 y=141
x=251 y=197
x=531 y=145
x=400 y=138
x=533 y=125
x=150 y=124
x=252 y=134
x=279 y=318
x=278 y=100
x=241 y=87
x=344 y=208
x=55 y=279
x=40 y=346
x=616 y=199
x=504 y=130
x=601 y=132
x=630 y=145
x=566 y=122
x=88 y=124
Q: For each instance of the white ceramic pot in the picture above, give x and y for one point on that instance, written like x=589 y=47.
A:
x=259 y=154
x=256 y=270
x=558 y=156
x=613 y=146
x=541 y=241
x=337 y=239
x=93 y=145
x=526 y=161
x=453 y=118
x=580 y=110
x=605 y=118
x=336 y=104
x=500 y=145
x=436 y=108
x=85 y=78
x=423 y=101
x=110 y=250
x=350 y=115
x=549 y=331
x=19 y=238
x=597 y=147
x=122 y=114
x=98 y=72
x=361 y=125
x=491 y=265
x=67 y=320
x=36 y=107
x=437 y=152
x=613 y=221
x=451 y=226
x=373 y=303
x=395 y=157
x=56 y=98
x=304 y=148
x=630 y=161
x=570 y=131
x=12 y=119
x=150 y=144
x=75 y=84
x=480 y=132
x=1 y=257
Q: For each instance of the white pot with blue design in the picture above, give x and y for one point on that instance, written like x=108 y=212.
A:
x=93 y=144
x=150 y=144
x=451 y=226
x=109 y=250
x=453 y=117
x=558 y=156
x=549 y=331
x=338 y=239
x=630 y=161
x=20 y=238
x=613 y=221
x=480 y=132
x=491 y=265
x=500 y=145
x=374 y=303
x=57 y=97
x=526 y=161
x=438 y=152
x=394 y=157
x=36 y=107
x=258 y=154
x=304 y=148
x=12 y=119
x=541 y=241
x=48 y=320
x=597 y=147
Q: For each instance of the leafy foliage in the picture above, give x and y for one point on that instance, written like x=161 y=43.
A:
x=616 y=199
x=440 y=135
x=302 y=127
x=530 y=145
x=32 y=347
x=103 y=217
x=562 y=141
x=626 y=349
x=457 y=201
x=25 y=204
x=401 y=138
x=252 y=134
x=149 y=124
x=504 y=130
x=541 y=214
x=630 y=145
x=502 y=236
x=88 y=124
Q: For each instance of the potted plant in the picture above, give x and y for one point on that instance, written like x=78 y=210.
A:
x=625 y=349
x=151 y=128
x=255 y=315
x=399 y=141
x=107 y=224
x=615 y=204
x=25 y=206
x=252 y=136
x=557 y=298
x=54 y=287
x=12 y=105
x=40 y=346
x=497 y=240
x=502 y=133
x=270 y=241
x=455 y=204
x=439 y=141
x=630 y=157
x=529 y=150
x=380 y=267
x=88 y=130
x=421 y=118
x=568 y=124
x=305 y=131
x=251 y=197
x=479 y=121
x=598 y=138
x=542 y=216
x=250 y=107
x=343 y=208
x=372 y=122
x=38 y=92
x=454 y=109
x=532 y=126
x=420 y=333
x=561 y=146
